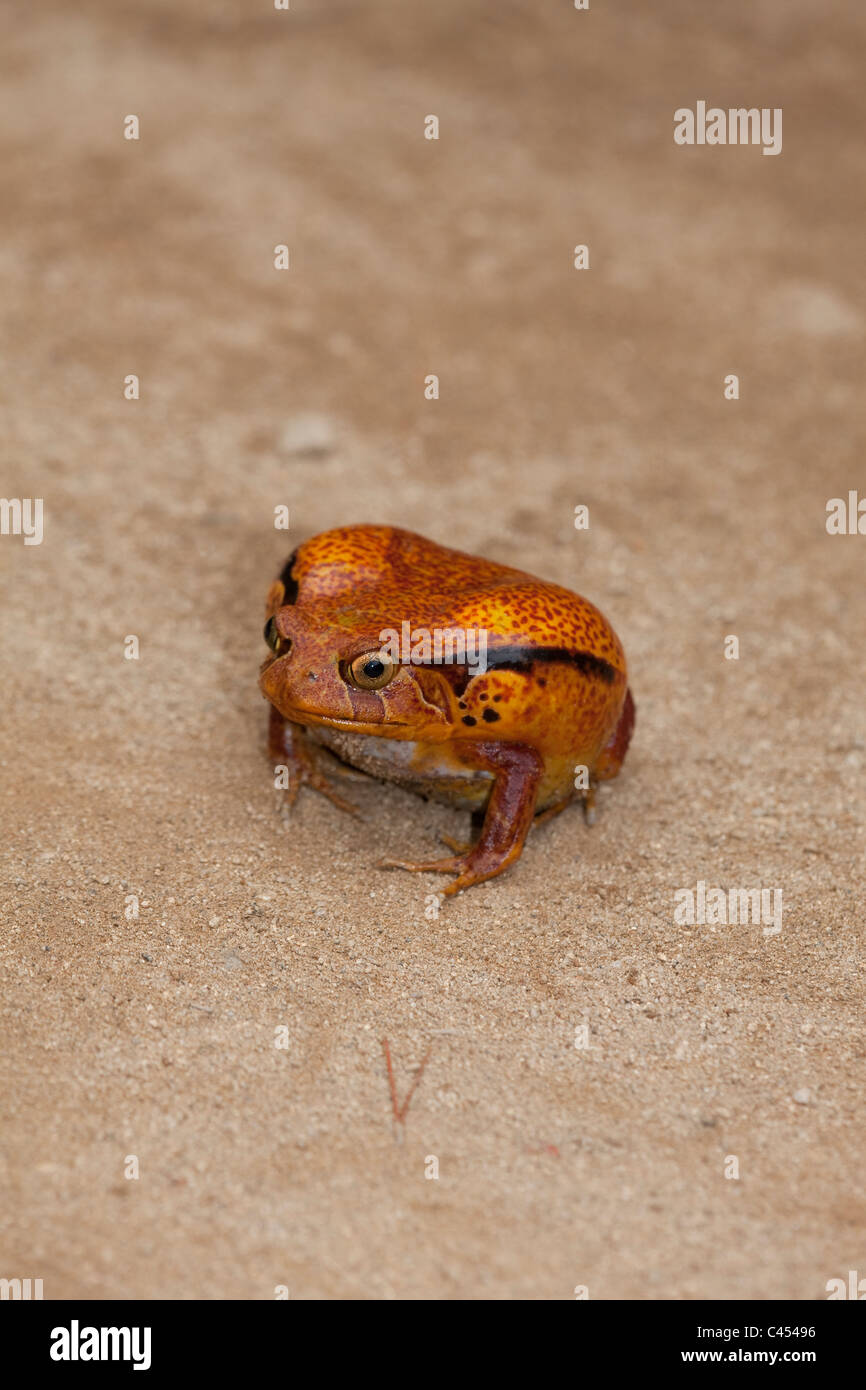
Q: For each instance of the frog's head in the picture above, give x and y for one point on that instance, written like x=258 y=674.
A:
x=328 y=667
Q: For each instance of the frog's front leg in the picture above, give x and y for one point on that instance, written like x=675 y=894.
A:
x=517 y=770
x=288 y=746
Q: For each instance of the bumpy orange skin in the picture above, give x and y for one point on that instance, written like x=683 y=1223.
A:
x=504 y=741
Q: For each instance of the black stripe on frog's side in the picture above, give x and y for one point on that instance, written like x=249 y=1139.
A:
x=289 y=584
x=522 y=659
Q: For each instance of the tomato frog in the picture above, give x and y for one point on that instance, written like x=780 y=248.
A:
x=456 y=677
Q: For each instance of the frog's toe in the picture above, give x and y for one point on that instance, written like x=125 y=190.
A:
x=464 y=880
x=424 y=866
x=318 y=783
x=462 y=865
x=312 y=776
x=321 y=785
x=459 y=846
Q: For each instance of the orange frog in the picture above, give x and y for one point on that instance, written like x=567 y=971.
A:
x=456 y=677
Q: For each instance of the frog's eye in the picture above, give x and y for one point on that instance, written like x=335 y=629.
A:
x=371 y=671
x=274 y=639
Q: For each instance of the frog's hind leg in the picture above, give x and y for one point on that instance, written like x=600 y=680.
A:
x=518 y=770
x=464 y=846
x=612 y=756
x=289 y=746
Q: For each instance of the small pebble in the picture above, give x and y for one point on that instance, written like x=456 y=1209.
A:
x=307 y=434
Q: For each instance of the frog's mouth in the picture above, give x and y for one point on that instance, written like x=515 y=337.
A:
x=333 y=721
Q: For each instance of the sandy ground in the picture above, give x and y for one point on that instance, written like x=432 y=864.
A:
x=154 y=1037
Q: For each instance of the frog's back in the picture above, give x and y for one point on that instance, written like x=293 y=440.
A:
x=396 y=573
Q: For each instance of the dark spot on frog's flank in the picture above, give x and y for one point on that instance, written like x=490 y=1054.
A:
x=289 y=584
x=484 y=695
x=496 y=699
x=523 y=659
x=541 y=680
x=462 y=704
x=469 y=719
x=490 y=715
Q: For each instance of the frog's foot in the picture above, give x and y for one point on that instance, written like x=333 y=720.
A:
x=507 y=820
x=426 y=866
x=289 y=748
x=470 y=868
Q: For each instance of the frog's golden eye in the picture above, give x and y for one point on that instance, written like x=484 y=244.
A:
x=274 y=639
x=371 y=671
